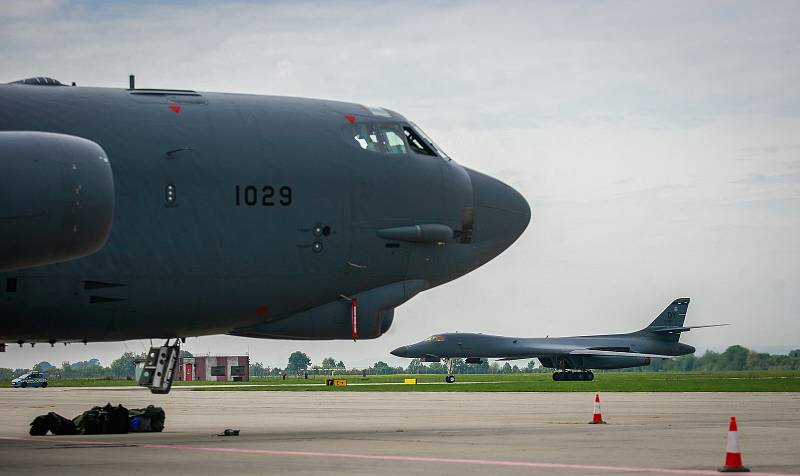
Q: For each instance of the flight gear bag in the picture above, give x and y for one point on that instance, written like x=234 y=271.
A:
x=53 y=422
x=146 y=419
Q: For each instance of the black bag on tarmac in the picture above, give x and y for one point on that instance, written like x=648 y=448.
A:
x=102 y=420
x=60 y=425
x=91 y=422
x=117 y=418
x=53 y=422
x=150 y=419
x=39 y=426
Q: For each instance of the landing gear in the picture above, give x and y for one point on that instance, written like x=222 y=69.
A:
x=450 y=377
x=159 y=367
x=566 y=375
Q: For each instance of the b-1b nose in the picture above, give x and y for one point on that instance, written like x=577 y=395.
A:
x=400 y=351
x=685 y=349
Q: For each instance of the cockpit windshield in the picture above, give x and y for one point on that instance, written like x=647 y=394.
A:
x=436 y=338
x=395 y=139
x=429 y=141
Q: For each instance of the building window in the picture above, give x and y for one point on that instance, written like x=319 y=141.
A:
x=237 y=371
x=218 y=371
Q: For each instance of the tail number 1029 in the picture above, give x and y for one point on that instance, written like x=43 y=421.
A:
x=265 y=196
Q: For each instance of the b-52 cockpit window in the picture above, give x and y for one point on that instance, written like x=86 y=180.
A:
x=436 y=338
x=417 y=144
x=380 y=138
x=421 y=143
x=393 y=140
x=366 y=136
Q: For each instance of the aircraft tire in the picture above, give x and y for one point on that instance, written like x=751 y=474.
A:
x=450 y=379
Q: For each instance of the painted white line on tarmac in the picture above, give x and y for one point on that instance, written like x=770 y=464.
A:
x=396 y=458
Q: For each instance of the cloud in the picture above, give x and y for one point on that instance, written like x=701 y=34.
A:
x=528 y=64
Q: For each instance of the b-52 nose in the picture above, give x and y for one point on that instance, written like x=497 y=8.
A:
x=501 y=214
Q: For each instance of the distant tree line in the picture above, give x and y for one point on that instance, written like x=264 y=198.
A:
x=734 y=357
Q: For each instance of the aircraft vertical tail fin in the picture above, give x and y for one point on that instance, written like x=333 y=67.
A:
x=670 y=318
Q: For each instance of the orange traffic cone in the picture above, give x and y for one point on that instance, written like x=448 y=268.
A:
x=733 y=457
x=597 y=417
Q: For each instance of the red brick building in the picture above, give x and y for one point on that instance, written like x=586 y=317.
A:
x=220 y=368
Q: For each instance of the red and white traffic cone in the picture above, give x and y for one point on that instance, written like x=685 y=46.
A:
x=733 y=456
x=597 y=417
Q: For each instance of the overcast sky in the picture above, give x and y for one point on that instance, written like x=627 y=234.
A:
x=657 y=142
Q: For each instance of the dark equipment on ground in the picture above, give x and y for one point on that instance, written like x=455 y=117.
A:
x=101 y=421
x=54 y=423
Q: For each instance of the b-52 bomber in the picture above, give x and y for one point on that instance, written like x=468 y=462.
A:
x=611 y=351
x=157 y=213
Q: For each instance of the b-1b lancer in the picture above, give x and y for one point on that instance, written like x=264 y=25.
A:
x=142 y=213
x=611 y=351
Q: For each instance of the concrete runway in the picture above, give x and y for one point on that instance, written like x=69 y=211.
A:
x=370 y=433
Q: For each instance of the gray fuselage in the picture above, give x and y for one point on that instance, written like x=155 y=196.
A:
x=275 y=212
x=551 y=351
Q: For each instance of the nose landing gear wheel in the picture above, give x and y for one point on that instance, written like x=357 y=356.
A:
x=450 y=377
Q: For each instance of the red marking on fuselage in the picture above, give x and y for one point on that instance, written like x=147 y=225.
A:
x=354 y=318
x=176 y=108
x=262 y=310
x=350 y=118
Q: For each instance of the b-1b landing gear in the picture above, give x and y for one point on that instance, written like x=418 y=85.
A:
x=450 y=377
x=566 y=375
x=159 y=367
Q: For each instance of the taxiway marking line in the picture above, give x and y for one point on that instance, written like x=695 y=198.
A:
x=374 y=457
x=276 y=385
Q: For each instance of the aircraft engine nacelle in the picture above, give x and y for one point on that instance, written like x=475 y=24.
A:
x=375 y=314
x=56 y=198
x=595 y=362
x=613 y=362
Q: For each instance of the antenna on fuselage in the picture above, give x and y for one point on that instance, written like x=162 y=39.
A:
x=131 y=81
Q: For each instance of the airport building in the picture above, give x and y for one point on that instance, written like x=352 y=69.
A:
x=224 y=368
